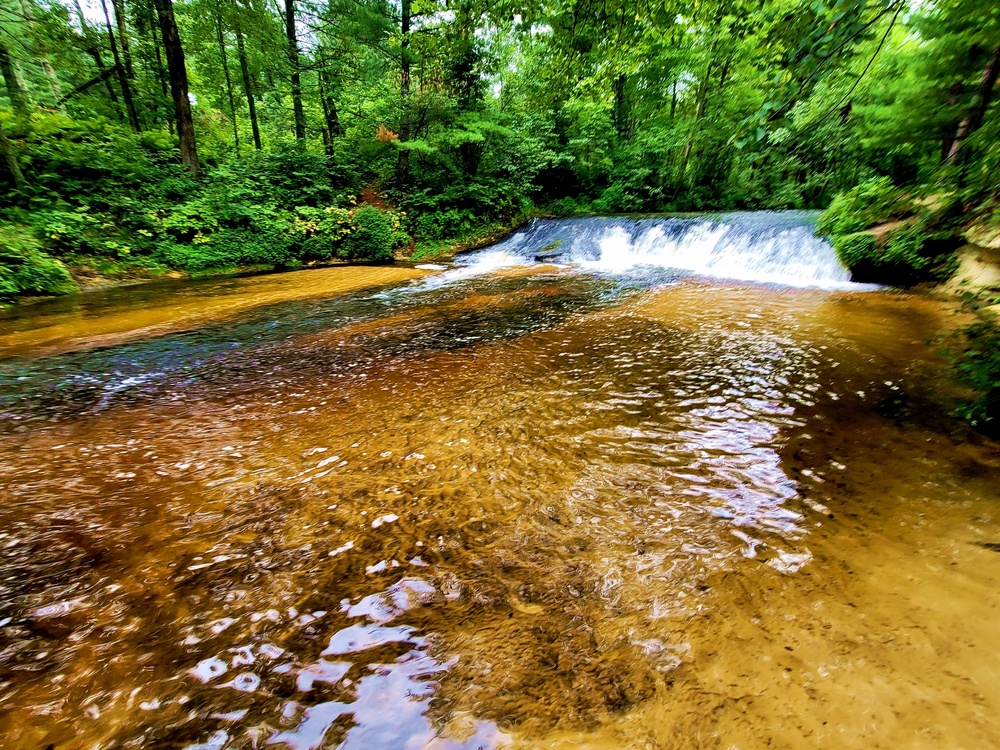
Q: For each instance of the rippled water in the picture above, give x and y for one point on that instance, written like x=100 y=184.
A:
x=505 y=510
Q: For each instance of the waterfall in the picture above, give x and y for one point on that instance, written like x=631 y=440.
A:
x=761 y=246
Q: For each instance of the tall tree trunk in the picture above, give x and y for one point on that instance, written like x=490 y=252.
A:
x=17 y=98
x=229 y=81
x=403 y=160
x=620 y=112
x=295 y=64
x=43 y=60
x=333 y=128
x=247 y=85
x=161 y=74
x=11 y=158
x=974 y=119
x=178 y=84
x=95 y=52
x=133 y=115
x=119 y=7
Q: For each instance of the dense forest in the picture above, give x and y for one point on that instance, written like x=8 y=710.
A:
x=142 y=136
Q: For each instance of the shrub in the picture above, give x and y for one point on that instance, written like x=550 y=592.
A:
x=977 y=357
x=229 y=248
x=856 y=250
x=447 y=224
x=864 y=206
x=25 y=269
x=567 y=207
x=617 y=199
x=905 y=248
x=375 y=234
x=321 y=231
x=903 y=257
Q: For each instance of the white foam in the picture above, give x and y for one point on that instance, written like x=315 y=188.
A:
x=767 y=247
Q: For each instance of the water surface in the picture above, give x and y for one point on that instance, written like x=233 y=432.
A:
x=548 y=507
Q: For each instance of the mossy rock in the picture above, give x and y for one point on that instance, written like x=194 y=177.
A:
x=550 y=253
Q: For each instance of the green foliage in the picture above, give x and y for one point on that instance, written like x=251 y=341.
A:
x=907 y=248
x=26 y=269
x=857 y=250
x=976 y=354
x=374 y=235
x=902 y=257
x=872 y=202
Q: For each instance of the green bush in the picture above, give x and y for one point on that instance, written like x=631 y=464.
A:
x=447 y=224
x=870 y=203
x=856 y=250
x=976 y=355
x=906 y=256
x=231 y=248
x=25 y=269
x=321 y=231
x=568 y=207
x=906 y=248
x=375 y=234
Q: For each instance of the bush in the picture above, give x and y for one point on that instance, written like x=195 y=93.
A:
x=870 y=203
x=440 y=225
x=25 y=269
x=856 y=250
x=230 y=248
x=567 y=207
x=905 y=248
x=903 y=257
x=375 y=234
x=615 y=200
x=977 y=357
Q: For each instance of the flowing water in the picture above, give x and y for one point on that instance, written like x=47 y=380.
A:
x=633 y=499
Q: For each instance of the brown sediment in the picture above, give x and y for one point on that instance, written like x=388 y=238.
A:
x=558 y=497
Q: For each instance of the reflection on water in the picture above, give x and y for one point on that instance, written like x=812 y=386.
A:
x=461 y=518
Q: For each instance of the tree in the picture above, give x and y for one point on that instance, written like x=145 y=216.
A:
x=123 y=80
x=18 y=99
x=177 y=72
x=247 y=86
x=10 y=157
x=294 y=64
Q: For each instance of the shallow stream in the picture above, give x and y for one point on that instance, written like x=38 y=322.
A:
x=620 y=501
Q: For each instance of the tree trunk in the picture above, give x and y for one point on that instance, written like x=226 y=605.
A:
x=178 y=84
x=229 y=81
x=161 y=74
x=977 y=112
x=403 y=160
x=119 y=7
x=294 y=63
x=332 y=127
x=11 y=158
x=620 y=112
x=247 y=86
x=17 y=98
x=133 y=116
x=102 y=76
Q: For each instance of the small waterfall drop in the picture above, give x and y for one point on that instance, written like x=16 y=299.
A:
x=762 y=246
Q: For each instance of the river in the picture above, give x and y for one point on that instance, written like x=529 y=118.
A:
x=677 y=484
